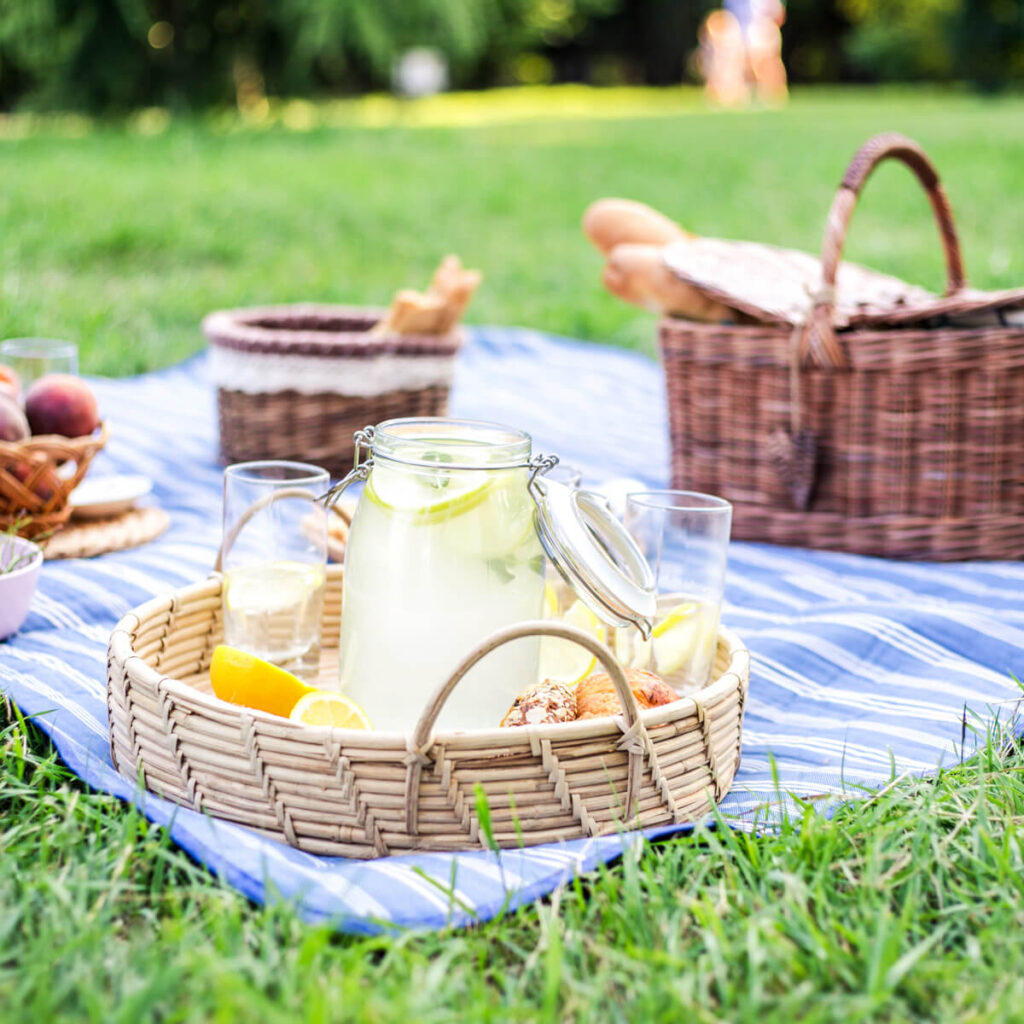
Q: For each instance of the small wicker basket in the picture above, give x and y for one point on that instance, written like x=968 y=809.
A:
x=371 y=794
x=37 y=476
x=296 y=382
x=892 y=431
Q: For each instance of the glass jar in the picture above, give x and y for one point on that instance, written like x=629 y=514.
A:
x=442 y=552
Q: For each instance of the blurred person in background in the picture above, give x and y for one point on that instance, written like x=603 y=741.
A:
x=764 y=51
x=723 y=59
x=741 y=52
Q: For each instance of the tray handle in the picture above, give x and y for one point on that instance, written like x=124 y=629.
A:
x=634 y=740
x=819 y=339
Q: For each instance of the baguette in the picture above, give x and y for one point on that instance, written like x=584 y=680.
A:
x=612 y=222
x=637 y=274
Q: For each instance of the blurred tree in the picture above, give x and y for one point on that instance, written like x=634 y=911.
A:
x=901 y=39
x=117 y=53
x=980 y=41
x=813 y=41
x=988 y=42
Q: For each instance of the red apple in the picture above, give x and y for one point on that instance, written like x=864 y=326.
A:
x=13 y=425
x=61 y=404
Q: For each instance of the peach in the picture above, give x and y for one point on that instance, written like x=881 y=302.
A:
x=61 y=404
x=10 y=381
x=44 y=487
x=13 y=425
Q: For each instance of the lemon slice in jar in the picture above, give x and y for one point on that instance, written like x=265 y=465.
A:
x=564 y=661
x=431 y=496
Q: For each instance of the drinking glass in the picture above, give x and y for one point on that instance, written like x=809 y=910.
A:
x=685 y=538
x=32 y=358
x=274 y=558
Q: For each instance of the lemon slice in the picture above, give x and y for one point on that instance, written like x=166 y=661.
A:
x=324 y=707
x=677 y=637
x=430 y=496
x=270 y=588
x=499 y=523
x=564 y=661
x=550 y=602
x=242 y=678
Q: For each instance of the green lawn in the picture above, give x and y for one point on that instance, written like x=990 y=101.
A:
x=122 y=241
x=910 y=907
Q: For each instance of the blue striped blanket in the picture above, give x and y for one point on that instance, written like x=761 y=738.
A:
x=863 y=669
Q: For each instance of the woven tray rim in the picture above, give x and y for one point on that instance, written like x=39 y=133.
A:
x=731 y=677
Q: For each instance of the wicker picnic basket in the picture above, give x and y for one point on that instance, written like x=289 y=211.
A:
x=37 y=476
x=296 y=382
x=890 y=426
x=370 y=794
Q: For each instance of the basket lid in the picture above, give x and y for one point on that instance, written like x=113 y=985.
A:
x=774 y=285
x=595 y=554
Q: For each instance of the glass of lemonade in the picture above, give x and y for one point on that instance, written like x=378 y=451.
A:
x=442 y=552
x=274 y=560
x=685 y=538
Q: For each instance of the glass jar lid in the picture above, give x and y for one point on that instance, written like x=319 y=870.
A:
x=594 y=553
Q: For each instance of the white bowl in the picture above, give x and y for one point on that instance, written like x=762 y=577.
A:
x=17 y=588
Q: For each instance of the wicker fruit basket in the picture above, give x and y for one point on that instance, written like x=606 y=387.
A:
x=371 y=794
x=884 y=431
x=37 y=476
x=296 y=382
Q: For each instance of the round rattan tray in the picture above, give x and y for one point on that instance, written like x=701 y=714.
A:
x=371 y=794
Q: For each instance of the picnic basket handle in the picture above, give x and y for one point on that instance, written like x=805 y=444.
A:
x=540 y=627
x=634 y=741
x=820 y=338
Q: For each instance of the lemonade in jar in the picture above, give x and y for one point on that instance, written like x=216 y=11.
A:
x=442 y=552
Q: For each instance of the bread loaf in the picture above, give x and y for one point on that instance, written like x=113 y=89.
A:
x=540 y=704
x=596 y=696
x=637 y=273
x=611 y=222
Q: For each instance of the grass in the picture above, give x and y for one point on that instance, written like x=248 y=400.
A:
x=906 y=907
x=122 y=240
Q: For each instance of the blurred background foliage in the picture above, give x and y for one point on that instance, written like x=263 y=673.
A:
x=109 y=55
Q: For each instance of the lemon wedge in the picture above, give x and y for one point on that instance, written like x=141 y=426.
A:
x=324 y=707
x=677 y=637
x=242 y=678
x=564 y=661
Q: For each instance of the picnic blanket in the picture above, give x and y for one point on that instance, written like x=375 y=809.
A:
x=863 y=669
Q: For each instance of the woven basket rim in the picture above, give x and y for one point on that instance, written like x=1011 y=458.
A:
x=97 y=439
x=895 y=331
x=240 y=329
x=392 y=740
